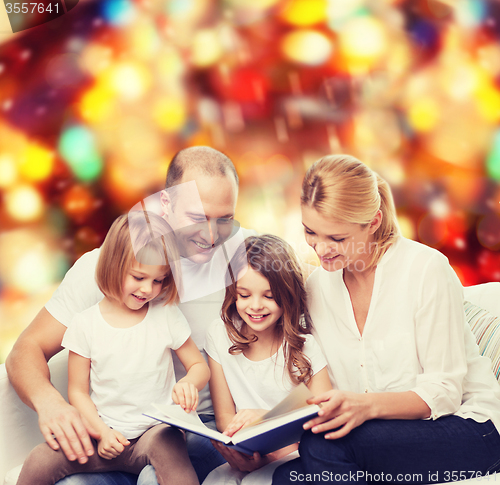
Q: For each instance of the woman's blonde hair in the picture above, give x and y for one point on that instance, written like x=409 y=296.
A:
x=141 y=236
x=343 y=189
x=275 y=260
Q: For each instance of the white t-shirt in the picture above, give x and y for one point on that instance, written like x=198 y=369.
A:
x=256 y=384
x=79 y=291
x=415 y=336
x=131 y=368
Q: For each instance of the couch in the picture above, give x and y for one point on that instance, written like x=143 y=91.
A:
x=19 y=431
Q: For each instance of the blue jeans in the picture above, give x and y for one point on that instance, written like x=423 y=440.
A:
x=203 y=455
x=110 y=478
x=397 y=451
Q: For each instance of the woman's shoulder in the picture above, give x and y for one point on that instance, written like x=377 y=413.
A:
x=406 y=252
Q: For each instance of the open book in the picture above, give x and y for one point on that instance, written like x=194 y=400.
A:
x=279 y=427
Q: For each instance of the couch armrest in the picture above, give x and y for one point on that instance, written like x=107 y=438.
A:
x=19 y=432
x=486 y=296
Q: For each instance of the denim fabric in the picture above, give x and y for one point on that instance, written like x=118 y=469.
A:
x=110 y=478
x=203 y=455
x=397 y=451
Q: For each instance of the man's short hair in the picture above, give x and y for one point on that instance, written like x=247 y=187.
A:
x=209 y=161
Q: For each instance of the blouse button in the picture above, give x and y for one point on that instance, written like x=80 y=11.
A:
x=366 y=390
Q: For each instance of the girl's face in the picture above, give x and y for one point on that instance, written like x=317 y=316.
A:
x=142 y=283
x=255 y=303
x=339 y=245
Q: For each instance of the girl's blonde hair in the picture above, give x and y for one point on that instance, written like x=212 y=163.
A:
x=150 y=236
x=275 y=260
x=343 y=189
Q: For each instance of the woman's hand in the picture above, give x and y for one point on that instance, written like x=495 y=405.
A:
x=111 y=444
x=341 y=411
x=240 y=461
x=186 y=395
x=243 y=418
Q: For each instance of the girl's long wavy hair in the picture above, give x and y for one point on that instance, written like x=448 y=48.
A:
x=275 y=260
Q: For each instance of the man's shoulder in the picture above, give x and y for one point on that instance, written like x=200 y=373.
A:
x=86 y=263
x=248 y=232
x=90 y=257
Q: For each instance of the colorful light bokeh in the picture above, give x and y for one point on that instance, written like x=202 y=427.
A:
x=95 y=104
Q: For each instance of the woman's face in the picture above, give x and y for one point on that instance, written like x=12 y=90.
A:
x=339 y=245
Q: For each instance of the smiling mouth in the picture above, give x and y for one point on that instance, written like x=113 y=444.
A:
x=258 y=317
x=202 y=246
x=330 y=258
x=140 y=298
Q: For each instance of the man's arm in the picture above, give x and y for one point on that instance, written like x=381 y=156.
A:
x=29 y=374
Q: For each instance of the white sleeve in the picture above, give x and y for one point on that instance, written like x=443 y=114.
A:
x=439 y=329
x=313 y=352
x=77 y=291
x=212 y=337
x=178 y=326
x=77 y=338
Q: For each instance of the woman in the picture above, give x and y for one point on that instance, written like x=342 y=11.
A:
x=413 y=401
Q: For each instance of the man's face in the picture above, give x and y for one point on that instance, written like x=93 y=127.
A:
x=199 y=230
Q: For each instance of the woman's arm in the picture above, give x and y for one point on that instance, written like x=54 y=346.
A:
x=185 y=392
x=347 y=410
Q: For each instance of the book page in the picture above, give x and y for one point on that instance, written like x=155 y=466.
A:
x=176 y=416
x=176 y=412
x=295 y=400
x=276 y=423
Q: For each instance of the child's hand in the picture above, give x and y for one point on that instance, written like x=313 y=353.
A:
x=243 y=418
x=111 y=444
x=186 y=395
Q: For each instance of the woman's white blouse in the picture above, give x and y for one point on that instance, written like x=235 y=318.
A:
x=415 y=336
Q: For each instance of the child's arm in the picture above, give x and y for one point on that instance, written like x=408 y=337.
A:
x=185 y=392
x=222 y=400
x=226 y=416
x=320 y=382
x=111 y=443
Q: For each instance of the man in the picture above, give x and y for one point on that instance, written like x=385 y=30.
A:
x=60 y=423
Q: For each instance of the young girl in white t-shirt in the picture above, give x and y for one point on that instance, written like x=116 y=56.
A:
x=120 y=361
x=261 y=348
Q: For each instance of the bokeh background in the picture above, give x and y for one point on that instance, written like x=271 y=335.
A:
x=94 y=104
